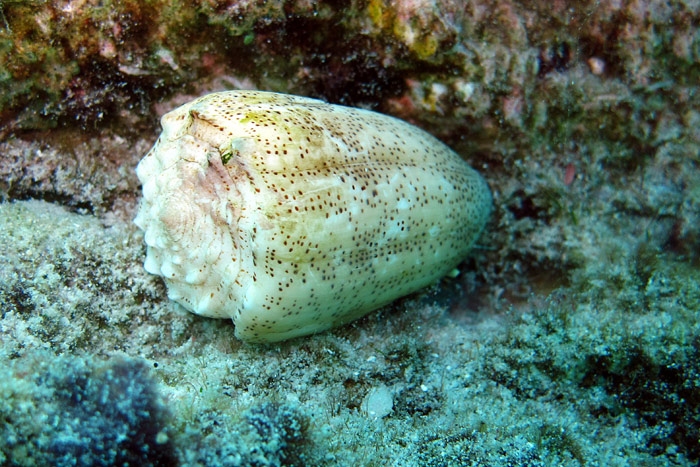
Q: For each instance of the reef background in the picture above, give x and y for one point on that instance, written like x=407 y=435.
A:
x=571 y=337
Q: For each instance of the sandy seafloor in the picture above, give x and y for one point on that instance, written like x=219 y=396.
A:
x=571 y=336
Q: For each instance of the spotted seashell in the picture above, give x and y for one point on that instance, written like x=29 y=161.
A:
x=292 y=216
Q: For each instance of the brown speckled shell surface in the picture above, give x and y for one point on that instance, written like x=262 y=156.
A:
x=292 y=216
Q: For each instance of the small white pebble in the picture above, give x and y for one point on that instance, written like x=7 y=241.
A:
x=379 y=402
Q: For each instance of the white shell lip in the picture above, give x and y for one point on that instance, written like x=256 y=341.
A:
x=292 y=216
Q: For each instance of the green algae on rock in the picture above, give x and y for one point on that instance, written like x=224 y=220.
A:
x=291 y=215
